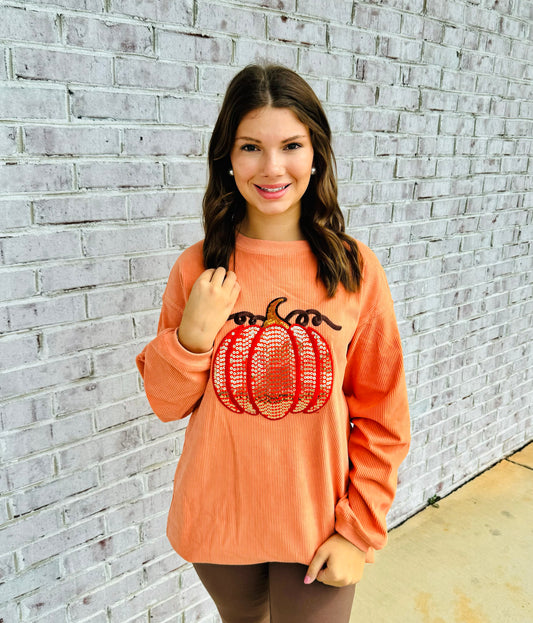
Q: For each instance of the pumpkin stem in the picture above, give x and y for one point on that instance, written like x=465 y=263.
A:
x=272 y=316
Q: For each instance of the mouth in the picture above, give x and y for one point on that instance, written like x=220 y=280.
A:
x=272 y=189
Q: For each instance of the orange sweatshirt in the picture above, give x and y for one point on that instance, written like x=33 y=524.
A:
x=299 y=413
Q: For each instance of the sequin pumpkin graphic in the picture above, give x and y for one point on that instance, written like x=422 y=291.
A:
x=274 y=369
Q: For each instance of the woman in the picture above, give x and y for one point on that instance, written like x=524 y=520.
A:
x=277 y=333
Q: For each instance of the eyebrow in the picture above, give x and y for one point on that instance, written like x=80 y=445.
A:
x=254 y=140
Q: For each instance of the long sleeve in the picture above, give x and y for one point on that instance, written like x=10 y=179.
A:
x=376 y=394
x=174 y=378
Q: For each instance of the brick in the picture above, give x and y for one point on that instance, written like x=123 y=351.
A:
x=66 y=141
x=494 y=85
x=398 y=97
x=434 y=54
x=353 y=93
x=156 y=142
x=166 y=204
x=111 y=36
x=402 y=49
x=26 y=411
x=192 y=173
x=59 y=489
x=138 y=510
x=453 y=167
x=138 y=461
x=289 y=29
x=31 y=580
x=182 y=237
x=149 y=74
x=132 y=560
x=18 y=284
x=152 y=266
x=196 y=111
x=117 y=359
x=113 y=105
x=249 y=51
x=55 y=544
x=221 y=19
x=193 y=47
x=34 y=247
x=321 y=64
x=20 y=24
x=79 y=209
x=124 y=300
x=452 y=11
x=15 y=213
x=125 y=411
x=89 y=453
x=395 y=145
x=475 y=62
x=83 y=274
x=167 y=11
x=39 y=64
x=214 y=80
x=378 y=19
x=416 y=167
x=96 y=6
x=373 y=120
x=43 y=375
x=18 y=350
x=376 y=71
x=120 y=175
x=107 y=594
x=100 y=551
x=419 y=27
x=99 y=391
x=99 y=500
x=436 y=100
x=8 y=140
x=35 y=177
x=356 y=41
x=47 y=598
x=44 y=311
x=393 y=191
x=87 y=335
x=122 y=240
x=23 y=102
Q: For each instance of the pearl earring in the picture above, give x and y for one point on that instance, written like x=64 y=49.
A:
x=313 y=171
x=231 y=172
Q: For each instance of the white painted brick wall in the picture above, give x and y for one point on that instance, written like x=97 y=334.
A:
x=106 y=108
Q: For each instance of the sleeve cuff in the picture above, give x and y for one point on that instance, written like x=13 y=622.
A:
x=196 y=362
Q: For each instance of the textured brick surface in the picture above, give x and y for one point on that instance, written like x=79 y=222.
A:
x=106 y=107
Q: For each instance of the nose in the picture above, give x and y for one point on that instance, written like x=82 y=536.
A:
x=272 y=164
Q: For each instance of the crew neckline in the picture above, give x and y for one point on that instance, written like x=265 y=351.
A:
x=270 y=247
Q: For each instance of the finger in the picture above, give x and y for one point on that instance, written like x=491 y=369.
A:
x=206 y=275
x=229 y=280
x=315 y=567
x=218 y=276
x=235 y=292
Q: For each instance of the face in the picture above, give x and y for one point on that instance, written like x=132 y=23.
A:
x=272 y=157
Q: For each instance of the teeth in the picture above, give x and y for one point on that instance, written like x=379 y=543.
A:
x=273 y=190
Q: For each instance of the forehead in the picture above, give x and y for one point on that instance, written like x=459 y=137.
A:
x=271 y=123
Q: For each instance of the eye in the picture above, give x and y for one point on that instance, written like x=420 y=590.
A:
x=249 y=147
x=292 y=146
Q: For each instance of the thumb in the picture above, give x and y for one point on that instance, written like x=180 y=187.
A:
x=316 y=565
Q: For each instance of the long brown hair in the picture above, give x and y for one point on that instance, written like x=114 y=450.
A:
x=321 y=220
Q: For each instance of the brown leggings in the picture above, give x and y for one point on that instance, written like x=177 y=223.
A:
x=273 y=593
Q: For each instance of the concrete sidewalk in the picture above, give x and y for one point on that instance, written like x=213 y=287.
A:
x=468 y=561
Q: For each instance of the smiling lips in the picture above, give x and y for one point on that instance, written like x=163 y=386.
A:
x=270 y=191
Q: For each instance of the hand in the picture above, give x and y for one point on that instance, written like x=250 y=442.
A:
x=210 y=302
x=345 y=563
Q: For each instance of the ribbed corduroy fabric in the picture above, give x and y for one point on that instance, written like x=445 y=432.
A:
x=298 y=429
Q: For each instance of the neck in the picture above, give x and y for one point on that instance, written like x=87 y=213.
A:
x=277 y=229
